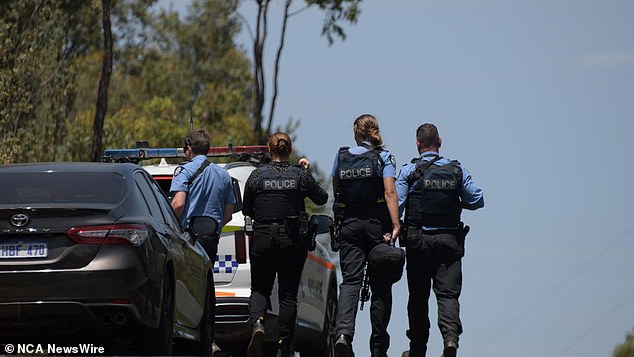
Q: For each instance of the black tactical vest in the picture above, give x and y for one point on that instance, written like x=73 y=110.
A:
x=434 y=200
x=360 y=182
x=278 y=195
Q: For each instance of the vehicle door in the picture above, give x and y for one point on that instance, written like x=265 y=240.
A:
x=188 y=259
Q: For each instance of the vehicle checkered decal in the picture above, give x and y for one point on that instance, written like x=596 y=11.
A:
x=225 y=265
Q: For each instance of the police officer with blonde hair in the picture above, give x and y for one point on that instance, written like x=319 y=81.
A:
x=366 y=209
x=432 y=191
x=274 y=198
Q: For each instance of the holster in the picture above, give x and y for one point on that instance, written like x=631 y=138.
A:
x=463 y=230
x=275 y=234
x=338 y=210
x=402 y=237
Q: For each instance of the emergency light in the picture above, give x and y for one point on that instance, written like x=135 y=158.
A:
x=136 y=155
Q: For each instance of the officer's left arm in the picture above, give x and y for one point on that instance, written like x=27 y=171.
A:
x=472 y=197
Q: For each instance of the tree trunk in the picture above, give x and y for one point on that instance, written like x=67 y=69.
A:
x=258 y=60
x=277 y=66
x=104 y=81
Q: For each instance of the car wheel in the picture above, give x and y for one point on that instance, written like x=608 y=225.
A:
x=159 y=342
x=329 y=329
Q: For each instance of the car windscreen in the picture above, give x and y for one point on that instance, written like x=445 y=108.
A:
x=61 y=188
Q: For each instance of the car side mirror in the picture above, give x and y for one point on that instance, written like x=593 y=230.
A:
x=200 y=226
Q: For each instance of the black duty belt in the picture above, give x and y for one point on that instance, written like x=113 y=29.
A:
x=452 y=231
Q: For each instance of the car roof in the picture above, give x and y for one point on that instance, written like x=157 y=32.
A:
x=122 y=168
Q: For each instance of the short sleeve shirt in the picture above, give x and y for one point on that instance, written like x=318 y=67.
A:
x=208 y=194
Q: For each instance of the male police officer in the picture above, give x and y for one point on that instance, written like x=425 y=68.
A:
x=433 y=190
x=201 y=188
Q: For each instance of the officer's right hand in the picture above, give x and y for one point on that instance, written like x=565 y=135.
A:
x=304 y=162
x=396 y=230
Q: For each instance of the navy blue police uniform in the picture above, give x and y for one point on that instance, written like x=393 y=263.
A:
x=274 y=197
x=432 y=191
x=359 y=172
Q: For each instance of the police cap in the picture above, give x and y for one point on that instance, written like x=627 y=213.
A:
x=385 y=262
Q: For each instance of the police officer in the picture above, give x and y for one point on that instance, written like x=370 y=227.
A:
x=432 y=191
x=201 y=188
x=367 y=207
x=274 y=198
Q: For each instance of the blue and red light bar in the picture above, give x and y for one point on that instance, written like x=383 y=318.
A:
x=157 y=153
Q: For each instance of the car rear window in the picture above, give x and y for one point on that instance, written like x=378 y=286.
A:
x=61 y=187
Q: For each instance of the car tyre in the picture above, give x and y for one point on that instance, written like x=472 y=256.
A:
x=329 y=329
x=160 y=341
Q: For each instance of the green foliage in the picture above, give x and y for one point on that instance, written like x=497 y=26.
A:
x=166 y=69
x=39 y=41
x=336 y=11
x=626 y=349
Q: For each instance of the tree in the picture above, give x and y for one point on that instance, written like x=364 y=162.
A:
x=335 y=11
x=39 y=42
x=106 y=72
x=167 y=68
x=626 y=349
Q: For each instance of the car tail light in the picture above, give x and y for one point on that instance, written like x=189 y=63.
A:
x=241 y=247
x=125 y=234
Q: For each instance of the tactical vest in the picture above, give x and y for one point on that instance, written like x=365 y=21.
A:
x=434 y=200
x=360 y=183
x=278 y=195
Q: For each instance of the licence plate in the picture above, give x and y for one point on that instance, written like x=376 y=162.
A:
x=21 y=249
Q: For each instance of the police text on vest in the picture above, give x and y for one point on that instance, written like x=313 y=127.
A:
x=355 y=173
x=280 y=184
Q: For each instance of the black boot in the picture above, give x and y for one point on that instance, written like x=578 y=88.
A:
x=256 y=348
x=378 y=352
x=451 y=349
x=285 y=348
x=343 y=346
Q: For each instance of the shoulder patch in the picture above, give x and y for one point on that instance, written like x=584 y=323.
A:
x=178 y=170
x=393 y=160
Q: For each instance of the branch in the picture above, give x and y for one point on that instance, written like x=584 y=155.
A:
x=258 y=54
x=298 y=11
x=249 y=30
x=277 y=64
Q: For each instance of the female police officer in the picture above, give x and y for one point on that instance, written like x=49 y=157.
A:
x=366 y=210
x=274 y=198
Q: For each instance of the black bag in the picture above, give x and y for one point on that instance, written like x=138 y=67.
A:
x=385 y=262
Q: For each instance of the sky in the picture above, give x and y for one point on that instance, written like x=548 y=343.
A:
x=536 y=99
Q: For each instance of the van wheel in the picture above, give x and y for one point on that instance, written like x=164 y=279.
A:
x=329 y=329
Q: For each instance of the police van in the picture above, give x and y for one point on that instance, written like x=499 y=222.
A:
x=317 y=295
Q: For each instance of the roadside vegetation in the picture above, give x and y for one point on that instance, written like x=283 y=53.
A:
x=67 y=92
